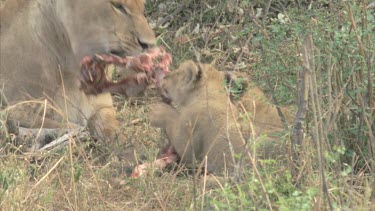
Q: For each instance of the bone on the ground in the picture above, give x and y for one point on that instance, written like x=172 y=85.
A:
x=168 y=156
x=159 y=163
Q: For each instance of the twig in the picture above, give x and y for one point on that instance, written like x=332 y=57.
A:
x=276 y=102
x=63 y=140
x=204 y=182
x=316 y=111
x=43 y=118
x=302 y=103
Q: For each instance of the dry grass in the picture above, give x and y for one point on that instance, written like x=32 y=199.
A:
x=85 y=176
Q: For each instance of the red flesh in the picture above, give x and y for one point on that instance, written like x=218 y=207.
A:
x=153 y=65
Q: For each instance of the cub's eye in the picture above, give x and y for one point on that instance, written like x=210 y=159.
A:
x=118 y=6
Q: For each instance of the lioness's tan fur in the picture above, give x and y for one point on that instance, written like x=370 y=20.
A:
x=42 y=43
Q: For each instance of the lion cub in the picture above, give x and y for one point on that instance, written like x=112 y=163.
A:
x=205 y=123
x=200 y=119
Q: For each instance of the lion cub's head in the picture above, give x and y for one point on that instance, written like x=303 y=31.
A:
x=182 y=84
x=193 y=80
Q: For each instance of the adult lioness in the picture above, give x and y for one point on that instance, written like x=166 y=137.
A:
x=42 y=43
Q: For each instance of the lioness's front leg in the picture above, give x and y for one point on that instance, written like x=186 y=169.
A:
x=104 y=126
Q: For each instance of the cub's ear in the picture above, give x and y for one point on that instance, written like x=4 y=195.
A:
x=193 y=71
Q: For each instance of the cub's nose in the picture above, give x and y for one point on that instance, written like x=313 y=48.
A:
x=146 y=44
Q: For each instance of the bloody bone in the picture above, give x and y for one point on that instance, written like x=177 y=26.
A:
x=168 y=156
x=153 y=65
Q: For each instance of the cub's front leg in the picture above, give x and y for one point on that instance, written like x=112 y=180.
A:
x=164 y=116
